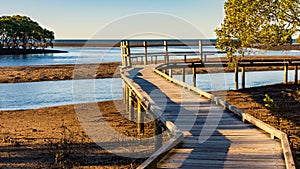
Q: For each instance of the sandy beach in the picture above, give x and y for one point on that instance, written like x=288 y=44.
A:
x=53 y=137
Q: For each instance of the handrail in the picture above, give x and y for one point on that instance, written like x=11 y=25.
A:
x=289 y=161
x=155 y=110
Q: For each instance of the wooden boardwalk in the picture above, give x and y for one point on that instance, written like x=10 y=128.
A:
x=214 y=138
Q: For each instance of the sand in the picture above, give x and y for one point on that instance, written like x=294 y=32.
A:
x=58 y=72
x=53 y=137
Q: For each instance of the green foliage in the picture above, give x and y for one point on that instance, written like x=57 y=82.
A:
x=269 y=103
x=274 y=108
x=298 y=39
x=249 y=23
x=20 y=31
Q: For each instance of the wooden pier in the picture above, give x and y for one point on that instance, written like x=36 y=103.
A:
x=206 y=132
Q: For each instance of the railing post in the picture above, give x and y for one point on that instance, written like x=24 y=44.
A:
x=170 y=72
x=296 y=74
x=201 y=50
x=236 y=77
x=243 y=77
x=131 y=107
x=166 y=51
x=145 y=53
x=194 y=75
x=158 y=140
x=140 y=118
x=124 y=93
x=183 y=74
x=127 y=93
x=122 y=53
x=128 y=54
x=286 y=73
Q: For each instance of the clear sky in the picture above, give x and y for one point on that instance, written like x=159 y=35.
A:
x=81 y=19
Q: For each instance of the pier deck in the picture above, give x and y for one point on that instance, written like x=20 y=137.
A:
x=213 y=137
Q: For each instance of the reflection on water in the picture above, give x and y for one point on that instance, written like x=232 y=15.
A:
x=43 y=94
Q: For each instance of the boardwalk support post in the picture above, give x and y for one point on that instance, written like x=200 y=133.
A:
x=236 y=77
x=183 y=74
x=171 y=72
x=296 y=74
x=127 y=96
x=286 y=73
x=243 y=77
x=131 y=106
x=140 y=118
x=158 y=140
x=145 y=53
x=201 y=50
x=194 y=75
x=166 y=51
x=128 y=59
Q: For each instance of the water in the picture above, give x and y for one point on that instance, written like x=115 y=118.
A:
x=83 y=55
x=44 y=94
x=54 y=93
x=75 y=55
x=21 y=96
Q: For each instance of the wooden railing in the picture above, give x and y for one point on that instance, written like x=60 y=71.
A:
x=289 y=161
x=134 y=95
x=148 y=57
x=131 y=58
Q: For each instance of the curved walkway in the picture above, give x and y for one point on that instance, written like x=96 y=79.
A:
x=214 y=138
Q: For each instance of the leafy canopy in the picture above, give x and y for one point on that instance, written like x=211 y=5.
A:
x=257 y=22
x=20 y=31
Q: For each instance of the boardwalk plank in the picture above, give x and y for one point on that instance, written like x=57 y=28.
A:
x=229 y=143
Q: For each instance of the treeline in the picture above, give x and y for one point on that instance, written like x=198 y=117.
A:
x=20 y=32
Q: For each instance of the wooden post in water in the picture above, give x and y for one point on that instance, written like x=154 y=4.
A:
x=296 y=74
x=157 y=135
x=286 y=73
x=243 y=77
x=183 y=74
x=140 y=117
x=194 y=76
x=145 y=53
x=236 y=77
x=201 y=50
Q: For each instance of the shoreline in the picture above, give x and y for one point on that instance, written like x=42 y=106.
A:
x=21 y=74
x=5 y=51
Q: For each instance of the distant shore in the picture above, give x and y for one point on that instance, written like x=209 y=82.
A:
x=5 y=51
